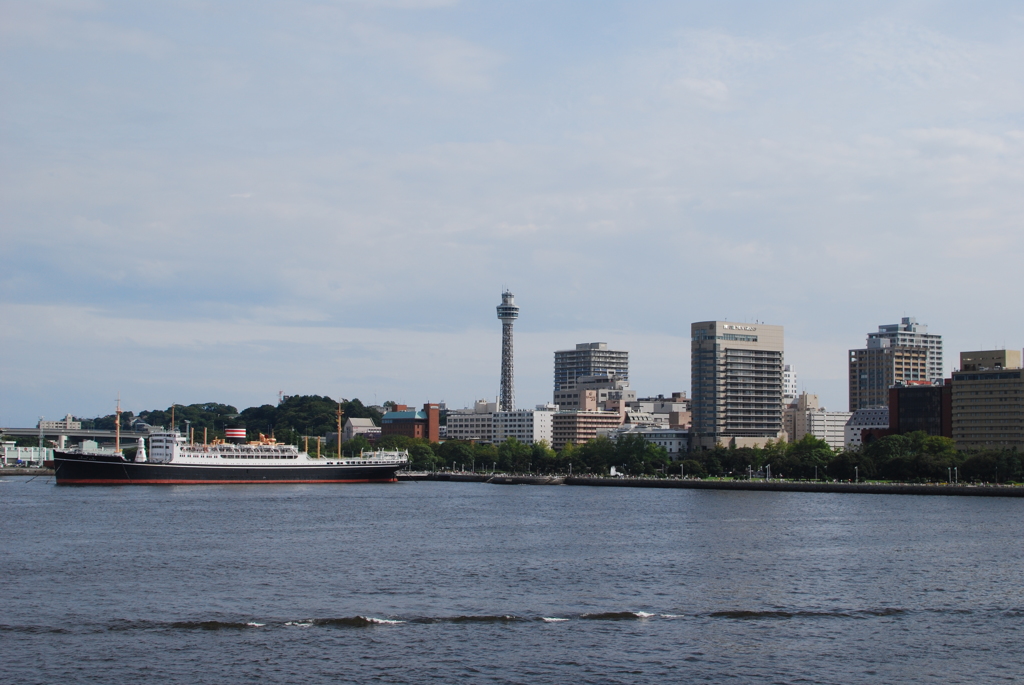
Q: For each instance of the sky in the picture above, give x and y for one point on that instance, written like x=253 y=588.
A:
x=221 y=201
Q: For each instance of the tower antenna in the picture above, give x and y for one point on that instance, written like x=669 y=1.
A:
x=508 y=312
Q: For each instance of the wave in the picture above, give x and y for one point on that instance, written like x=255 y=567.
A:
x=364 y=621
x=214 y=625
x=503 y=618
x=617 y=616
x=774 y=614
x=31 y=629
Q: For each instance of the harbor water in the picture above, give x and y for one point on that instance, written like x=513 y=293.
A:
x=444 y=582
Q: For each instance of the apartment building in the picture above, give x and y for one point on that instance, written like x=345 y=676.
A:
x=736 y=383
x=578 y=427
x=590 y=359
x=880 y=366
x=910 y=333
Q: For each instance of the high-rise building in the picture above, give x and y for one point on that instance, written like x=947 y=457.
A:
x=910 y=333
x=988 y=401
x=508 y=312
x=589 y=359
x=902 y=353
x=736 y=383
x=788 y=383
x=876 y=369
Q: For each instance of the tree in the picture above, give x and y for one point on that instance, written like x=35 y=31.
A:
x=422 y=457
x=356 y=445
x=457 y=451
x=514 y=456
x=692 y=468
x=543 y=458
x=598 y=454
x=803 y=458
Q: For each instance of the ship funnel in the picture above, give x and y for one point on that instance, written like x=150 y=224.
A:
x=235 y=435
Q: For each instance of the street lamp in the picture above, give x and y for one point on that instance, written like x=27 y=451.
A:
x=856 y=474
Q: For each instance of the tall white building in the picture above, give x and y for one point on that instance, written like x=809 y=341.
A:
x=788 y=383
x=528 y=426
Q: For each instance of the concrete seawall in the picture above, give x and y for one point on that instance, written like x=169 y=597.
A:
x=755 y=485
x=19 y=471
x=784 y=486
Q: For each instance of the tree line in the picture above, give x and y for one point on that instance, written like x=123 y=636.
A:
x=295 y=417
x=910 y=458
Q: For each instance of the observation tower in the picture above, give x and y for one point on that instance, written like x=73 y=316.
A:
x=508 y=312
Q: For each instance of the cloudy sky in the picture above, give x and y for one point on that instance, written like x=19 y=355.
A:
x=217 y=201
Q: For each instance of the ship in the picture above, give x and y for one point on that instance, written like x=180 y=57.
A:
x=174 y=460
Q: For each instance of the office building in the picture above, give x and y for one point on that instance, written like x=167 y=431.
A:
x=609 y=391
x=675 y=441
x=474 y=424
x=804 y=415
x=927 y=408
x=411 y=423
x=788 y=383
x=590 y=359
x=67 y=423
x=579 y=427
x=988 y=401
x=672 y=411
x=987 y=360
x=736 y=383
x=879 y=367
x=528 y=426
x=874 y=419
x=909 y=333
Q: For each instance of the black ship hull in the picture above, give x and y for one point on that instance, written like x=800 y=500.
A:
x=79 y=469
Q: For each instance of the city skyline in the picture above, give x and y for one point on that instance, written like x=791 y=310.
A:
x=324 y=198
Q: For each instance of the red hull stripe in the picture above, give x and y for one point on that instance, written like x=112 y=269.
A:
x=178 y=481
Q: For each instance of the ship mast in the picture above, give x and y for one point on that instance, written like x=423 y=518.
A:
x=339 y=429
x=117 y=426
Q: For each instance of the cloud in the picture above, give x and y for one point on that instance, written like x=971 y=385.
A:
x=66 y=26
x=397 y=172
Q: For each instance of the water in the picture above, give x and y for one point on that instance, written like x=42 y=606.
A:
x=445 y=582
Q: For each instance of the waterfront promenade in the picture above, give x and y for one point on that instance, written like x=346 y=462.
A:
x=968 y=490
